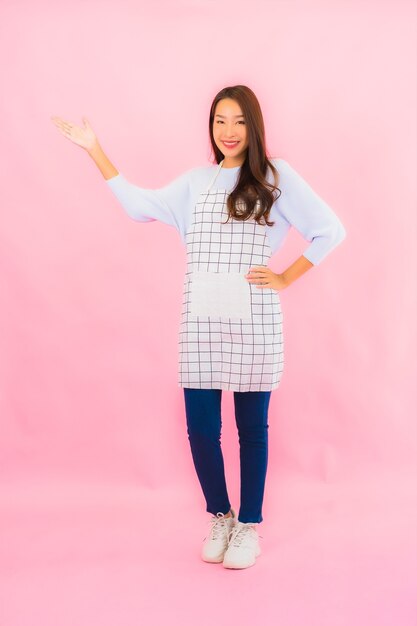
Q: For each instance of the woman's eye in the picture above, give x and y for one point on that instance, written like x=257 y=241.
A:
x=221 y=122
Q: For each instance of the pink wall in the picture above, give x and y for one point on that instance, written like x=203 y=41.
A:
x=91 y=300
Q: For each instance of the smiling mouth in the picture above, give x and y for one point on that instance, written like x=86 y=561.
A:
x=230 y=144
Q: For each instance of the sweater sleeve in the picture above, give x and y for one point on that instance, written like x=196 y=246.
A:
x=302 y=208
x=168 y=204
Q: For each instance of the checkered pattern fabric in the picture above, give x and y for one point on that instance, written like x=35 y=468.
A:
x=225 y=352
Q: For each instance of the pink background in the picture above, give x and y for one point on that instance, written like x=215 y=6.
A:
x=102 y=517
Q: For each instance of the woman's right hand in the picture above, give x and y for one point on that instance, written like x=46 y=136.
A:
x=84 y=137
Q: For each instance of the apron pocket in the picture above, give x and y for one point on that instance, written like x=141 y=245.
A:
x=220 y=294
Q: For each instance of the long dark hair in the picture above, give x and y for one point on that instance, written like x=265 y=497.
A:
x=252 y=196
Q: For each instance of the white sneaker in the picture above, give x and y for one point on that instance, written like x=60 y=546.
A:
x=243 y=546
x=217 y=540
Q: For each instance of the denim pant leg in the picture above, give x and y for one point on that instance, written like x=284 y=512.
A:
x=251 y=412
x=203 y=415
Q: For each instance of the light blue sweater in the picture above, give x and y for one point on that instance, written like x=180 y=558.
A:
x=298 y=206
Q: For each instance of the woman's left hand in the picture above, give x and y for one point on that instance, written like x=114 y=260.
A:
x=263 y=278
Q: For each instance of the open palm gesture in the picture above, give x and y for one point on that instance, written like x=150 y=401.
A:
x=82 y=136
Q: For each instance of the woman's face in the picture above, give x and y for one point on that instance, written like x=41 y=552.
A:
x=229 y=132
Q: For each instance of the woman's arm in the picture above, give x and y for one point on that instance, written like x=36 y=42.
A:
x=304 y=209
x=296 y=269
x=301 y=207
x=103 y=163
x=169 y=204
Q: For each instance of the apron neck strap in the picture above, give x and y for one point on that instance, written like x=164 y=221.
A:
x=218 y=168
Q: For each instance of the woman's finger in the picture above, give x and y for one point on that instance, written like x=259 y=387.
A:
x=256 y=271
x=63 y=125
x=259 y=274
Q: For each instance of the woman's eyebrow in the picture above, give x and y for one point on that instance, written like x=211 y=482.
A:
x=218 y=115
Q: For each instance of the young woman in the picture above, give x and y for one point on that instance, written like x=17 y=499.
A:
x=231 y=217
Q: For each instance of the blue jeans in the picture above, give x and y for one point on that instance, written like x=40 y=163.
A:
x=203 y=415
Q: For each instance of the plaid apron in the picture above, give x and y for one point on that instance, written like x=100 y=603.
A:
x=230 y=334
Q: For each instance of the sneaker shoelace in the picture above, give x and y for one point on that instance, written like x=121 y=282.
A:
x=240 y=532
x=218 y=525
